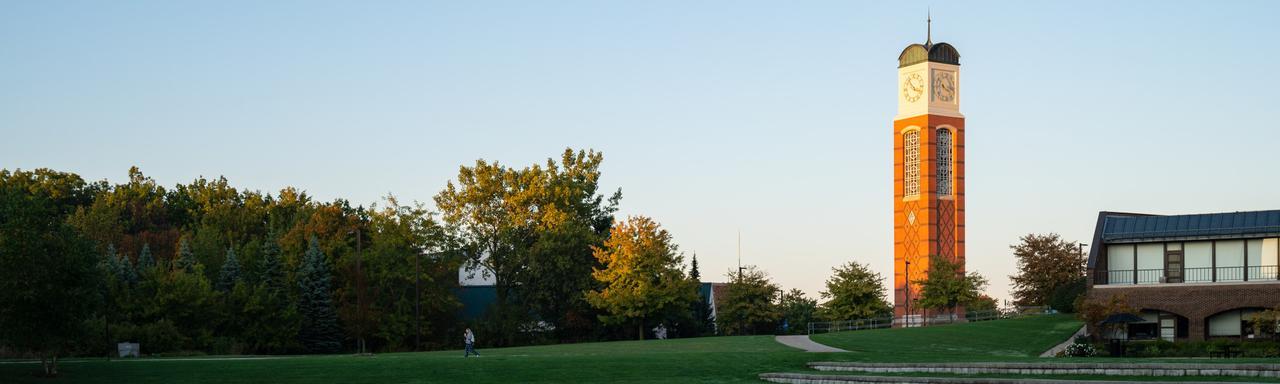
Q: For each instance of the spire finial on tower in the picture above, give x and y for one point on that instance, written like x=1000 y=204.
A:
x=928 y=36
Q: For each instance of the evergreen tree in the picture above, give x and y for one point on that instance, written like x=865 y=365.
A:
x=320 y=332
x=186 y=258
x=693 y=269
x=272 y=269
x=229 y=275
x=702 y=322
x=145 y=260
x=274 y=324
x=129 y=274
x=111 y=263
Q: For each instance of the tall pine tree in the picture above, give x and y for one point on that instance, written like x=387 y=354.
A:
x=145 y=260
x=186 y=258
x=274 y=328
x=229 y=275
x=693 y=269
x=320 y=332
x=111 y=263
x=702 y=322
x=272 y=268
x=127 y=271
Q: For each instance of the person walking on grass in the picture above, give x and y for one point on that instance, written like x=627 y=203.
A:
x=470 y=339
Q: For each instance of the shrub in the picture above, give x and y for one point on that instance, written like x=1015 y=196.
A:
x=1064 y=297
x=159 y=337
x=1260 y=349
x=1081 y=350
x=1162 y=348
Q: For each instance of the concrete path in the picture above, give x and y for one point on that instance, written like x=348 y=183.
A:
x=803 y=342
x=1063 y=346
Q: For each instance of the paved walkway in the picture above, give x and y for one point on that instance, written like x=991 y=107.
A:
x=803 y=342
x=1053 y=352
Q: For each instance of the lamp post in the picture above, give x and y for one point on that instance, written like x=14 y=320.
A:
x=907 y=315
x=359 y=291
x=417 y=302
x=1082 y=245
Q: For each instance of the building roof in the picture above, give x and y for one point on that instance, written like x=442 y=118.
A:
x=1121 y=227
x=919 y=53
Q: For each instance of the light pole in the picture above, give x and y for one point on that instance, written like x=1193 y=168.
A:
x=907 y=316
x=1082 y=245
x=359 y=291
x=417 y=301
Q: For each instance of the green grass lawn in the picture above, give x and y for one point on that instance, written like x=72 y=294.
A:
x=700 y=360
x=999 y=340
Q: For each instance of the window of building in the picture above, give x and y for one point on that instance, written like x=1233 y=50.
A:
x=1198 y=262
x=1120 y=264
x=911 y=163
x=1225 y=324
x=1150 y=263
x=1253 y=258
x=1269 y=258
x=1228 y=256
x=944 y=161
x=1232 y=323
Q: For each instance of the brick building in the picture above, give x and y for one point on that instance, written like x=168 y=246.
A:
x=1193 y=277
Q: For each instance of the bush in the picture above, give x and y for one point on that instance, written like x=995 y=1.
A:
x=159 y=337
x=1260 y=349
x=1162 y=348
x=1064 y=297
x=1081 y=350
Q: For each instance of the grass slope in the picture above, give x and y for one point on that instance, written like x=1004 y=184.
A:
x=998 y=340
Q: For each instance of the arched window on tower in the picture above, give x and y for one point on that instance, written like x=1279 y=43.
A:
x=911 y=163
x=944 y=162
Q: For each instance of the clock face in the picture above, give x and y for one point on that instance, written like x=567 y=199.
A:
x=944 y=86
x=912 y=87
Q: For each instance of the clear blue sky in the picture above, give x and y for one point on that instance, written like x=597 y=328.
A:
x=773 y=118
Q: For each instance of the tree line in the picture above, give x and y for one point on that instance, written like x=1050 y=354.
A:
x=205 y=267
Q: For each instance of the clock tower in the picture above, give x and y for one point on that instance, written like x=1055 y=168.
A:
x=928 y=170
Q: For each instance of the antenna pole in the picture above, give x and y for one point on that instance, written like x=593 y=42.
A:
x=739 y=253
x=928 y=36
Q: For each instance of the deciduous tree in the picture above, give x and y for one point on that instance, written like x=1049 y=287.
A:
x=533 y=229
x=948 y=286
x=797 y=311
x=854 y=291
x=748 y=305
x=1045 y=263
x=1093 y=310
x=48 y=279
x=642 y=277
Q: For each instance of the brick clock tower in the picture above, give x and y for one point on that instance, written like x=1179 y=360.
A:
x=928 y=169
